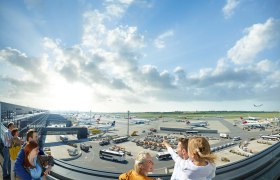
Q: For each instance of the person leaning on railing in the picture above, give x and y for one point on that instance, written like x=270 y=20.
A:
x=36 y=164
x=14 y=149
x=143 y=164
x=19 y=169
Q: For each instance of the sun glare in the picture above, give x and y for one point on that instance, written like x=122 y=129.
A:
x=70 y=96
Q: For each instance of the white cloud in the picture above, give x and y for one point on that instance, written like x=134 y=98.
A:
x=221 y=67
x=152 y=78
x=94 y=29
x=125 y=38
x=114 y=10
x=107 y=64
x=265 y=66
x=126 y=1
x=228 y=9
x=159 y=42
x=31 y=66
x=117 y=8
x=257 y=38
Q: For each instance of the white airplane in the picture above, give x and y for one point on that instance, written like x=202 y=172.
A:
x=252 y=118
x=139 y=121
x=130 y=117
x=258 y=124
x=86 y=121
x=106 y=127
x=197 y=124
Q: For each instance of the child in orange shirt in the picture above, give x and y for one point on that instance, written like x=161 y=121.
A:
x=143 y=164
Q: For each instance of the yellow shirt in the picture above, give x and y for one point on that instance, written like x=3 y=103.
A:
x=133 y=175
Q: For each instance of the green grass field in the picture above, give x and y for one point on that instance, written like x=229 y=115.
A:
x=204 y=114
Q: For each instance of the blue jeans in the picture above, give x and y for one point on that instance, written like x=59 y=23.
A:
x=7 y=162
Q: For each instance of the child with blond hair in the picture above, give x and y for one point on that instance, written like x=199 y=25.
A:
x=201 y=162
x=143 y=164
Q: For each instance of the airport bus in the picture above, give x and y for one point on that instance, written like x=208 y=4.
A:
x=163 y=156
x=120 y=139
x=273 y=138
x=63 y=138
x=112 y=155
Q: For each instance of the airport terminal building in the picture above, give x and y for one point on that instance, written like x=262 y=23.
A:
x=10 y=111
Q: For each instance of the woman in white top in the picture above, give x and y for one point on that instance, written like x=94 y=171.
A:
x=201 y=162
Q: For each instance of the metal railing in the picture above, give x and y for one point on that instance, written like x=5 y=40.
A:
x=264 y=165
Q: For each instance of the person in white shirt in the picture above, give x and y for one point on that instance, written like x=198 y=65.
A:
x=180 y=158
x=6 y=167
x=200 y=165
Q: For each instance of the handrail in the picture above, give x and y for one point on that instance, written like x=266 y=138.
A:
x=3 y=129
x=248 y=167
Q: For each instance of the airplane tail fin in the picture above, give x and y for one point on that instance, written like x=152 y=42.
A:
x=113 y=123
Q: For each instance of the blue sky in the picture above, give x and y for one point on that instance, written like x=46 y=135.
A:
x=140 y=55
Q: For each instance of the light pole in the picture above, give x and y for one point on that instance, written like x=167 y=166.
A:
x=127 y=123
x=14 y=117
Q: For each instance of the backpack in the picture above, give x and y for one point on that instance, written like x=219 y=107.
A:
x=13 y=151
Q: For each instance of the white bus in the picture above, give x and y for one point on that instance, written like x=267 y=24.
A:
x=163 y=156
x=120 y=139
x=273 y=138
x=112 y=155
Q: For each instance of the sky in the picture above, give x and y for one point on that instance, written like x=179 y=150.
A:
x=141 y=55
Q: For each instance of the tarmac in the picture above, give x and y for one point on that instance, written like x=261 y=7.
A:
x=91 y=159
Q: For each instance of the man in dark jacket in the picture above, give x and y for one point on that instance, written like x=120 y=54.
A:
x=20 y=171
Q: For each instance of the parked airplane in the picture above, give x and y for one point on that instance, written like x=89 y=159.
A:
x=83 y=121
x=249 y=118
x=95 y=129
x=258 y=124
x=139 y=121
x=253 y=118
x=197 y=124
x=88 y=119
x=130 y=117
x=106 y=127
